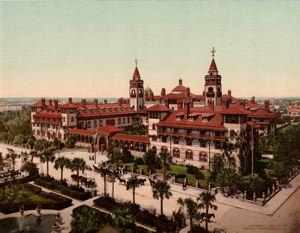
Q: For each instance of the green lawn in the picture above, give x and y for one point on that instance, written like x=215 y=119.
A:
x=35 y=197
x=175 y=170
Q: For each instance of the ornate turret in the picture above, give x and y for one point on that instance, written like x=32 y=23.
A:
x=136 y=90
x=213 y=85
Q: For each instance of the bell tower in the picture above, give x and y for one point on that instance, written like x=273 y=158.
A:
x=213 y=84
x=136 y=90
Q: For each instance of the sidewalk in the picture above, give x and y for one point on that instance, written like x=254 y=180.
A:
x=272 y=205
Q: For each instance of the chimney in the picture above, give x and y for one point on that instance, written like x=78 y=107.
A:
x=253 y=99
x=227 y=103
x=56 y=103
x=211 y=105
x=83 y=102
x=43 y=102
x=188 y=92
x=163 y=92
x=180 y=82
x=50 y=102
x=187 y=108
x=70 y=100
x=267 y=105
x=105 y=101
x=96 y=102
x=229 y=93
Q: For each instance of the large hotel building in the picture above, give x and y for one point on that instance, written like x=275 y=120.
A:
x=192 y=127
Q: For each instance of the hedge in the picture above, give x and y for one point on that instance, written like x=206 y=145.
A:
x=64 y=189
x=54 y=201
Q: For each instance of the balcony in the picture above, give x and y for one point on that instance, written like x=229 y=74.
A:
x=191 y=135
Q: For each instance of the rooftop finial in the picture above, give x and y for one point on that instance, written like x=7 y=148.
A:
x=136 y=61
x=213 y=51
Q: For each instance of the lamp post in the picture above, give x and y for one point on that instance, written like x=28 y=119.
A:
x=252 y=148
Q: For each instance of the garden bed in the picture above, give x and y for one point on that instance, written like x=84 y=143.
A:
x=38 y=197
x=161 y=224
x=63 y=188
x=106 y=218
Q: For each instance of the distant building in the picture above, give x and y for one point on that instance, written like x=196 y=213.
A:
x=293 y=109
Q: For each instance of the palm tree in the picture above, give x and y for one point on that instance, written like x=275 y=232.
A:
x=166 y=160
x=77 y=164
x=33 y=154
x=12 y=156
x=46 y=157
x=206 y=201
x=123 y=220
x=112 y=178
x=161 y=190
x=133 y=183
x=179 y=219
x=85 y=220
x=104 y=172
x=60 y=163
x=191 y=208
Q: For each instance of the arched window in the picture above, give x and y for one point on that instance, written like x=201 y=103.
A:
x=203 y=156
x=189 y=154
x=210 y=89
x=133 y=94
x=176 y=152
x=164 y=149
x=154 y=149
x=232 y=162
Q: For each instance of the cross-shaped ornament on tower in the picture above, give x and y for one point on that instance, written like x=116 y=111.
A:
x=136 y=61
x=213 y=51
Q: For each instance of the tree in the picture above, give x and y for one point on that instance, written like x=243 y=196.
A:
x=217 y=165
x=30 y=167
x=104 y=172
x=112 y=178
x=61 y=163
x=46 y=157
x=191 y=208
x=114 y=154
x=123 y=220
x=151 y=160
x=85 y=220
x=19 y=139
x=127 y=157
x=206 y=202
x=12 y=156
x=77 y=164
x=161 y=190
x=179 y=219
x=228 y=178
x=13 y=194
x=166 y=161
x=33 y=154
x=133 y=183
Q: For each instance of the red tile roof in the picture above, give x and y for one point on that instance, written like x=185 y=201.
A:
x=45 y=114
x=84 y=132
x=158 y=108
x=235 y=110
x=215 y=123
x=132 y=138
x=108 y=129
x=213 y=66
x=69 y=105
x=179 y=88
x=136 y=74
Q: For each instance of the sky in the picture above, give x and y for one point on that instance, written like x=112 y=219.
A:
x=88 y=48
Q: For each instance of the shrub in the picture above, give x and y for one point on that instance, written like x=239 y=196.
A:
x=139 y=161
x=180 y=176
x=199 y=175
x=190 y=169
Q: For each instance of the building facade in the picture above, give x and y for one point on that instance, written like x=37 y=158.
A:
x=193 y=128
